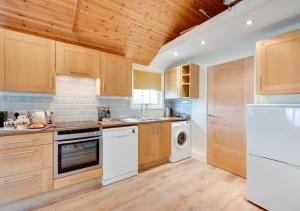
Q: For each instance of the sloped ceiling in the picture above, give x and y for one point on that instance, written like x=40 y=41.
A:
x=132 y=28
x=227 y=36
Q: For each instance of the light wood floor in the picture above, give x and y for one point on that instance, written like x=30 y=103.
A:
x=187 y=185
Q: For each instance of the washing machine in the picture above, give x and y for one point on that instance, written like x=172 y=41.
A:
x=180 y=141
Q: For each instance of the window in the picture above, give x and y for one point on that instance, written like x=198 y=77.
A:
x=147 y=90
x=152 y=97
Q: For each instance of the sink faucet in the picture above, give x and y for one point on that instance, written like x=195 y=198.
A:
x=141 y=111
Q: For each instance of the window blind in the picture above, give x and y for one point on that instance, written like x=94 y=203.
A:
x=146 y=80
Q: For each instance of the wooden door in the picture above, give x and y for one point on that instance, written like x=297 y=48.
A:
x=1 y=59
x=164 y=139
x=147 y=143
x=29 y=63
x=277 y=64
x=230 y=88
x=77 y=61
x=172 y=83
x=116 y=76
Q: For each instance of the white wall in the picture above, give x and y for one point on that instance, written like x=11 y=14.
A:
x=198 y=118
x=199 y=107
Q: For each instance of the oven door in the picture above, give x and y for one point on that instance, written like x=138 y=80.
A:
x=74 y=156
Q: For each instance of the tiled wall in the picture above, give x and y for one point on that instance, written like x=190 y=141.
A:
x=75 y=100
x=181 y=106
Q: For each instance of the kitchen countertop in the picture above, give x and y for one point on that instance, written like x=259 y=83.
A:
x=16 y=132
x=92 y=124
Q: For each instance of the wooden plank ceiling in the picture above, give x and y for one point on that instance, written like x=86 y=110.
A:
x=132 y=28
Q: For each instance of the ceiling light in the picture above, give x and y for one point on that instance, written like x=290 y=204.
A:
x=249 y=22
x=203 y=42
x=175 y=53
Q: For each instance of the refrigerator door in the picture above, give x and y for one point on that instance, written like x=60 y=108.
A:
x=274 y=132
x=273 y=185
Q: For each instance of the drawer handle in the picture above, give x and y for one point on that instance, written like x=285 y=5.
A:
x=16 y=142
x=18 y=180
x=17 y=153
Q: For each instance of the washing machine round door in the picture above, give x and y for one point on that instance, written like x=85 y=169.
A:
x=181 y=139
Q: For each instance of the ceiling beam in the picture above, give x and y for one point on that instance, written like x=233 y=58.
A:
x=76 y=15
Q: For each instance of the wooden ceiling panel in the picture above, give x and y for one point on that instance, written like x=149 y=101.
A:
x=132 y=28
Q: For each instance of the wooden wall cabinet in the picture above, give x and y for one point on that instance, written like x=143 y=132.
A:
x=115 y=76
x=172 y=83
x=277 y=64
x=182 y=82
x=154 y=144
x=27 y=63
x=74 y=60
x=26 y=166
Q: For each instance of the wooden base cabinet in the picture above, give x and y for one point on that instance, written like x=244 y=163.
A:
x=26 y=166
x=154 y=144
x=24 y=185
x=277 y=64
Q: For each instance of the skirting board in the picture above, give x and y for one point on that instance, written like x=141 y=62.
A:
x=199 y=156
x=119 y=178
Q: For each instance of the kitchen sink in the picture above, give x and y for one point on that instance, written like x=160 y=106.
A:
x=130 y=120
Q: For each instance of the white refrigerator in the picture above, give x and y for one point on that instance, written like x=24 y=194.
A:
x=273 y=159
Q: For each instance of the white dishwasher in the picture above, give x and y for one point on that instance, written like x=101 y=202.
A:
x=120 y=153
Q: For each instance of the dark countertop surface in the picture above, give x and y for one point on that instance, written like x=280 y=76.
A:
x=91 y=124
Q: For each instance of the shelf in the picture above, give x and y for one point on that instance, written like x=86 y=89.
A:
x=185 y=84
x=185 y=70
x=184 y=75
x=185 y=91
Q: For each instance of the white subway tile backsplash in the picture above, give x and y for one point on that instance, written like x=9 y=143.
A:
x=75 y=100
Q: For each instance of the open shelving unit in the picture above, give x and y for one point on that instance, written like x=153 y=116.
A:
x=182 y=82
x=185 y=77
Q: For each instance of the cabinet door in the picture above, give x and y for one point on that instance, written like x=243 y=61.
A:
x=172 y=83
x=77 y=61
x=277 y=64
x=33 y=158
x=24 y=185
x=116 y=76
x=29 y=63
x=147 y=143
x=194 y=81
x=164 y=139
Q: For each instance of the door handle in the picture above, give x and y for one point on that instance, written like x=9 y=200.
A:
x=210 y=115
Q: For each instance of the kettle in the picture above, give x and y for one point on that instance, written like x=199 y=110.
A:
x=168 y=112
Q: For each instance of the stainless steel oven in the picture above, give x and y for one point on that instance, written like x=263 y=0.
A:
x=76 y=151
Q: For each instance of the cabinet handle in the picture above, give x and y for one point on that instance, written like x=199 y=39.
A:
x=18 y=180
x=76 y=73
x=16 y=142
x=18 y=153
x=103 y=86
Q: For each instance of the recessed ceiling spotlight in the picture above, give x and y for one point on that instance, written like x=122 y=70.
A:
x=203 y=42
x=249 y=22
x=175 y=53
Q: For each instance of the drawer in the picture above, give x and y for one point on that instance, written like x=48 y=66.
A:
x=9 y=142
x=25 y=185
x=24 y=159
